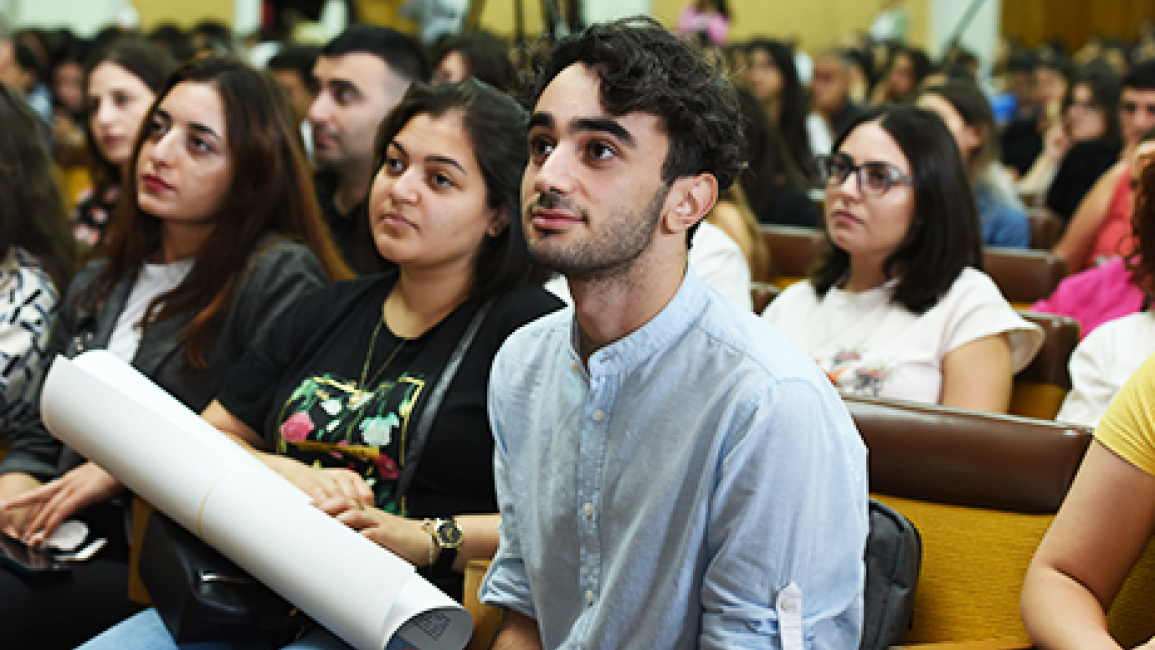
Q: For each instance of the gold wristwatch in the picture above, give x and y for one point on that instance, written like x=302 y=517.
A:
x=447 y=537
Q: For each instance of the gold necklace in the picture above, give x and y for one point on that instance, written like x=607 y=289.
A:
x=360 y=395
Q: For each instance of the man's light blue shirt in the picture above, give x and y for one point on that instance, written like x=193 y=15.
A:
x=666 y=497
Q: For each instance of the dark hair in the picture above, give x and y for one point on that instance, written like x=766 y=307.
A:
x=644 y=67
x=271 y=192
x=1056 y=63
x=944 y=234
x=975 y=110
x=919 y=62
x=486 y=57
x=177 y=41
x=495 y=126
x=793 y=102
x=1141 y=76
x=402 y=53
x=1106 y=88
x=143 y=59
x=212 y=37
x=31 y=209
x=297 y=58
x=1141 y=264
x=770 y=167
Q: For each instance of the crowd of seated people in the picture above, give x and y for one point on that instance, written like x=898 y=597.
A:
x=227 y=210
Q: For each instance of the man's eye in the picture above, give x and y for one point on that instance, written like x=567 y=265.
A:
x=601 y=150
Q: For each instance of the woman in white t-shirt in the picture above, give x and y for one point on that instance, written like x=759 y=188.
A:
x=897 y=308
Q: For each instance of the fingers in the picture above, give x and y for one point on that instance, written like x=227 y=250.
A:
x=334 y=506
x=44 y=521
x=32 y=497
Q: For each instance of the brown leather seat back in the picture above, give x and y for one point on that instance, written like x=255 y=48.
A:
x=1050 y=365
x=955 y=456
x=761 y=293
x=1024 y=276
x=1046 y=227
x=794 y=251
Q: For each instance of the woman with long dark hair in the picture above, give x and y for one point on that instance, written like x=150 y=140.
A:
x=37 y=253
x=218 y=233
x=120 y=84
x=898 y=308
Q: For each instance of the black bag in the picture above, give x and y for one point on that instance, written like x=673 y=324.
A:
x=202 y=596
x=893 y=558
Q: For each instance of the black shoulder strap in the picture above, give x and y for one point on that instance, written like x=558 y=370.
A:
x=425 y=422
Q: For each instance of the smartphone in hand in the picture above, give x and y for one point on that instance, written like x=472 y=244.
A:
x=27 y=560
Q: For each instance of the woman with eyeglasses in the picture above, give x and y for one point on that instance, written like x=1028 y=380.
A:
x=898 y=308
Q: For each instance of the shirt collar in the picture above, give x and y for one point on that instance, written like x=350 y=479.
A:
x=655 y=336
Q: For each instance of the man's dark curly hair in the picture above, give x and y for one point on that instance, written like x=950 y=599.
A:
x=644 y=67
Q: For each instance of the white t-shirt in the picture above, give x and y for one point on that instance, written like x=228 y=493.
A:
x=152 y=281
x=1103 y=362
x=871 y=346
x=714 y=256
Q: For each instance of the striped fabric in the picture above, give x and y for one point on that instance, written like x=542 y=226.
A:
x=28 y=302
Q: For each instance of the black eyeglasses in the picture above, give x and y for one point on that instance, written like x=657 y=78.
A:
x=874 y=178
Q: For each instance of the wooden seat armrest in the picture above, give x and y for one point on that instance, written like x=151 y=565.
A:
x=486 y=619
x=1010 y=643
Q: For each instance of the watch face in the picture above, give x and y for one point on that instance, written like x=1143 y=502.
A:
x=449 y=534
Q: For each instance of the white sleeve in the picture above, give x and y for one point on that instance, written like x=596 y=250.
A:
x=719 y=261
x=977 y=310
x=1093 y=385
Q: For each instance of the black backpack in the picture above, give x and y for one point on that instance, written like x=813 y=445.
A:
x=893 y=557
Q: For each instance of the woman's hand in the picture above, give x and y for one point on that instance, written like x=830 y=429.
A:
x=13 y=485
x=50 y=504
x=322 y=483
x=405 y=537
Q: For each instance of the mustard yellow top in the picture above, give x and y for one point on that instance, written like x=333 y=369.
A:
x=1128 y=428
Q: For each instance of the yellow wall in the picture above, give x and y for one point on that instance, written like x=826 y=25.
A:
x=184 y=14
x=817 y=24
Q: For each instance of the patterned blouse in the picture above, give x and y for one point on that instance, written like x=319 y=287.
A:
x=90 y=217
x=28 y=301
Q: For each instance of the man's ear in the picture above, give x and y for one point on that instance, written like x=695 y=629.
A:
x=690 y=199
x=498 y=222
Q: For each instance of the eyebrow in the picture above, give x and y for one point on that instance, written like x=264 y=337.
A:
x=445 y=160
x=591 y=124
x=193 y=126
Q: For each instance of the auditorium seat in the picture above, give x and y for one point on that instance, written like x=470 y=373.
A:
x=1024 y=276
x=982 y=490
x=486 y=619
x=1039 y=389
x=1046 y=227
x=794 y=250
x=761 y=293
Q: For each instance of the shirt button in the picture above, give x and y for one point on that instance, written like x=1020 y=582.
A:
x=588 y=509
x=589 y=597
x=599 y=415
x=573 y=366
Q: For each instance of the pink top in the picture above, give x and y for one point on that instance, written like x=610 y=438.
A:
x=1114 y=237
x=692 y=20
x=1094 y=296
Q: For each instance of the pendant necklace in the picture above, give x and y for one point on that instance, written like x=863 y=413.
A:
x=360 y=394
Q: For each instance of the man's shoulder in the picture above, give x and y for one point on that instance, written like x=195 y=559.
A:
x=751 y=344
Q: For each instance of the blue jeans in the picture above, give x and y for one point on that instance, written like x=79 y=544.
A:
x=146 y=631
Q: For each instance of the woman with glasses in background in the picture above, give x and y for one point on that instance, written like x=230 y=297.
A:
x=898 y=308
